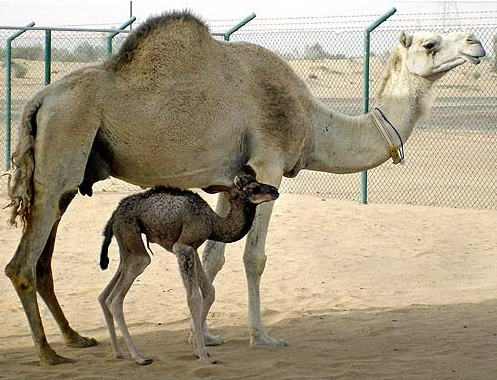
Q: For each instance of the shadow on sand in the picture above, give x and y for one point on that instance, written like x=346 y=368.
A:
x=416 y=342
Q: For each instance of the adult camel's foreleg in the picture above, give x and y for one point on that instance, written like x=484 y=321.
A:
x=254 y=258
x=213 y=254
x=45 y=287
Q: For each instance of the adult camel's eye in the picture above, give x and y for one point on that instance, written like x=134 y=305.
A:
x=429 y=45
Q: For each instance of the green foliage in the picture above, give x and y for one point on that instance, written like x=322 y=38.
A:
x=286 y=56
x=31 y=53
x=19 y=70
x=84 y=52
x=316 y=51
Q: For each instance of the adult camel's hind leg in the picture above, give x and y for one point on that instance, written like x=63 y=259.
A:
x=22 y=272
x=45 y=287
x=60 y=152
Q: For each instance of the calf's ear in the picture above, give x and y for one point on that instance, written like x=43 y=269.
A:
x=242 y=181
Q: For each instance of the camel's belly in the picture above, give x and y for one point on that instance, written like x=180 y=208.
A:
x=202 y=177
x=183 y=141
x=193 y=163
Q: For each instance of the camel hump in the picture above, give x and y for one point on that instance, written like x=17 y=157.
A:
x=174 y=39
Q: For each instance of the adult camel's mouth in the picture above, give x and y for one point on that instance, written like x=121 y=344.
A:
x=475 y=60
x=473 y=51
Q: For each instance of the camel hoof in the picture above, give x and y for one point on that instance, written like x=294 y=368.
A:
x=266 y=341
x=81 y=342
x=144 y=361
x=212 y=340
x=54 y=359
x=121 y=355
x=207 y=360
x=209 y=339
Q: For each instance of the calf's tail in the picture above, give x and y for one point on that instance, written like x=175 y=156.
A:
x=104 y=254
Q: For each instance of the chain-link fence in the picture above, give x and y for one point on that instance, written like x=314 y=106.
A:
x=451 y=157
x=69 y=51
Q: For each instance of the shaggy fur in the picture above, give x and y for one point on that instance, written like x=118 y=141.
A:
x=125 y=54
x=180 y=221
x=20 y=182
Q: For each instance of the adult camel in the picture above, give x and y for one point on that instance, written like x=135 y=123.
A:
x=174 y=107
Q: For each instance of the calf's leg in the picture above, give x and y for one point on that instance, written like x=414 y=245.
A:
x=187 y=266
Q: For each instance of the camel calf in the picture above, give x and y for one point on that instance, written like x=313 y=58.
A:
x=180 y=221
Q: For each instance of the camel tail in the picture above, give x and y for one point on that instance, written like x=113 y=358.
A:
x=104 y=254
x=20 y=178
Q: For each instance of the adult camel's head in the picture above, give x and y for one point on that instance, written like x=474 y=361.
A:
x=431 y=55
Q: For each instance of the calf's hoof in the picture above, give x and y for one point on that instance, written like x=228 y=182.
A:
x=207 y=360
x=144 y=361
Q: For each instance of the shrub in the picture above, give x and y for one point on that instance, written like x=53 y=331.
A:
x=19 y=70
x=315 y=51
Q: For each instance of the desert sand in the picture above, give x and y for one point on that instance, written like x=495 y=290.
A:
x=357 y=292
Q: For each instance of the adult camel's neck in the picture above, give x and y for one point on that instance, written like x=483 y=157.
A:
x=236 y=224
x=349 y=144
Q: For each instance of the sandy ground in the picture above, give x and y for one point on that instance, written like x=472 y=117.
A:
x=357 y=292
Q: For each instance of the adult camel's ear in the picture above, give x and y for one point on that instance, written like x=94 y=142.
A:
x=405 y=39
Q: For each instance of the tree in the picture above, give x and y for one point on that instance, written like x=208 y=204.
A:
x=315 y=51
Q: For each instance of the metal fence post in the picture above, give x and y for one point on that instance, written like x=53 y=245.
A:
x=111 y=36
x=233 y=29
x=48 y=56
x=367 y=32
x=8 y=92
